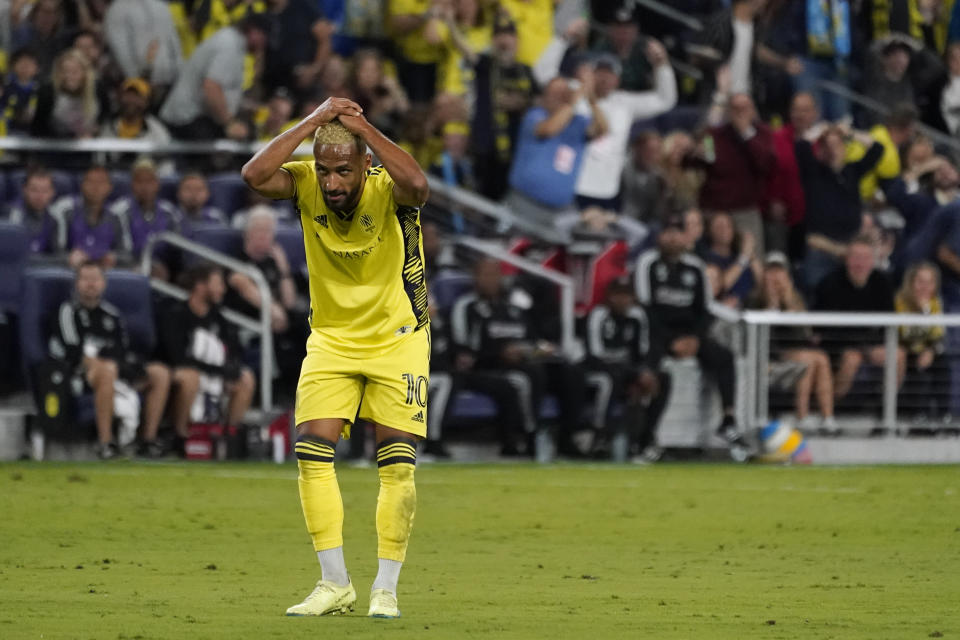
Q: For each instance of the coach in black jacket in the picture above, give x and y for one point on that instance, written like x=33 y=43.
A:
x=618 y=349
x=672 y=285
x=494 y=331
x=90 y=337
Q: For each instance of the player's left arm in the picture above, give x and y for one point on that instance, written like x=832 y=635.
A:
x=410 y=183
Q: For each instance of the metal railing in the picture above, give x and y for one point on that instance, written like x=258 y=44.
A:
x=263 y=327
x=472 y=204
x=757 y=325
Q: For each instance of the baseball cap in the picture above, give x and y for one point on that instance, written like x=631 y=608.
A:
x=503 y=23
x=609 y=62
x=898 y=41
x=139 y=85
x=777 y=259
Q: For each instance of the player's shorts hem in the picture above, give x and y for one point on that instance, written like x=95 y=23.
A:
x=344 y=430
x=414 y=431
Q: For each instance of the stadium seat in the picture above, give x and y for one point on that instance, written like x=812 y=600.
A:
x=14 y=251
x=64 y=183
x=121 y=184
x=130 y=293
x=468 y=405
x=228 y=192
x=290 y=238
x=448 y=285
x=168 y=187
x=44 y=288
x=222 y=239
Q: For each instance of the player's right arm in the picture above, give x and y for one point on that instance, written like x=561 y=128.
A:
x=262 y=172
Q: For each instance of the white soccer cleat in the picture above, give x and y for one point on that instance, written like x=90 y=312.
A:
x=326 y=599
x=383 y=604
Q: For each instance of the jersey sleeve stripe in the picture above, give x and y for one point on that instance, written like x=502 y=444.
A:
x=414 y=282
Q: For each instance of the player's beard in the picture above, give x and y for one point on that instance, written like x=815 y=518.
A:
x=345 y=205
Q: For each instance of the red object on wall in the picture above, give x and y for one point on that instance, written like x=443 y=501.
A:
x=608 y=266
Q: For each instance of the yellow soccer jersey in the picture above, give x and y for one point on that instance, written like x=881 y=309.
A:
x=367 y=286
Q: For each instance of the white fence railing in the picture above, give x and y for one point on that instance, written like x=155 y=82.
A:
x=262 y=327
x=757 y=326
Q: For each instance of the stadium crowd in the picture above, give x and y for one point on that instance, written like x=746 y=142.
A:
x=728 y=158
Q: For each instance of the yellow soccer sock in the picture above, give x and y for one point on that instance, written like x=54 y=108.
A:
x=319 y=491
x=397 y=503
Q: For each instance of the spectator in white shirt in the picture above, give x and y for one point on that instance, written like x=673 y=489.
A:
x=144 y=41
x=599 y=181
x=207 y=94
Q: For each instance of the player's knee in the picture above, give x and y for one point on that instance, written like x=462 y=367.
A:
x=187 y=379
x=246 y=382
x=326 y=428
x=852 y=358
x=158 y=375
x=103 y=372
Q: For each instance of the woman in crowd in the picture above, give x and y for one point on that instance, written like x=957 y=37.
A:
x=379 y=95
x=683 y=182
x=732 y=253
x=924 y=393
x=795 y=345
x=72 y=105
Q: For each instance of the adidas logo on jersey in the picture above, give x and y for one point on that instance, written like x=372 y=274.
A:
x=418 y=417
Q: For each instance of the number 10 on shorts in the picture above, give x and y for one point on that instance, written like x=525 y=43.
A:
x=416 y=389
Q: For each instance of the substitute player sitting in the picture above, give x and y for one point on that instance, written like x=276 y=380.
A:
x=369 y=343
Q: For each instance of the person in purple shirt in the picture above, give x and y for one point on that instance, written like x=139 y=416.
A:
x=93 y=234
x=193 y=196
x=143 y=214
x=550 y=148
x=32 y=211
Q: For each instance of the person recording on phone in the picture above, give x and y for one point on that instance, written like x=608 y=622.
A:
x=550 y=150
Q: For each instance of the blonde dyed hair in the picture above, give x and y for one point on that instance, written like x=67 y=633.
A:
x=905 y=294
x=336 y=134
x=88 y=93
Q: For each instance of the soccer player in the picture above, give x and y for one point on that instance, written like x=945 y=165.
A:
x=369 y=343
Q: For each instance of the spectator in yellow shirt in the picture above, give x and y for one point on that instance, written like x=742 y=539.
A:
x=534 y=20
x=898 y=128
x=471 y=30
x=421 y=33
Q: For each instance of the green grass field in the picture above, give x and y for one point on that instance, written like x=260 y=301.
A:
x=569 y=551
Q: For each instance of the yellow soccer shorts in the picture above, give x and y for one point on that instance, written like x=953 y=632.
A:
x=389 y=386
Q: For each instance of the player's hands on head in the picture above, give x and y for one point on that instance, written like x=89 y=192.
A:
x=354 y=123
x=333 y=108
